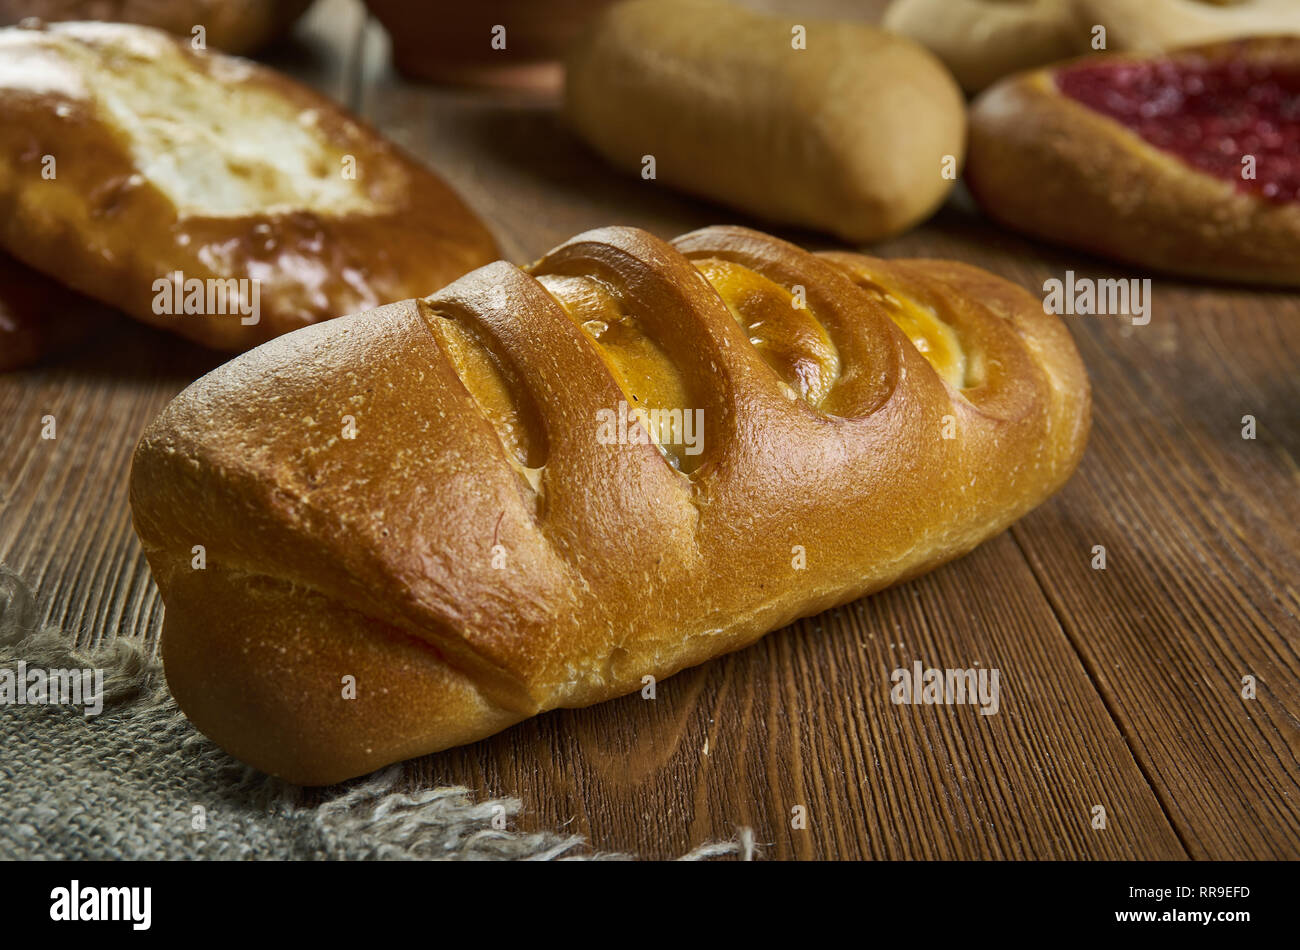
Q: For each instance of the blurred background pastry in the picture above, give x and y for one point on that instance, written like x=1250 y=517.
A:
x=1187 y=162
x=507 y=43
x=127 y=159
x=831 y=125
x=235 y=26
x=983 y=40
x=1152 y=25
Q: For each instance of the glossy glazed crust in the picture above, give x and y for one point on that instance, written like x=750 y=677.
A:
x=1051 y=167
x=235 y=26
x=105 y=227
x=39 y=316
x=849 y=135
x=374 y=556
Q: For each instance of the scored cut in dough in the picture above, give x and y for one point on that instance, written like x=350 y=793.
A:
x=478 y=587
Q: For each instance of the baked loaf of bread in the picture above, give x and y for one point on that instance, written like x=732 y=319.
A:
x=236 y=26
x=983 y=40
x=39 y=316
x=827 y=125
x=450 y=501
x=206 y=194
x=1187 y=162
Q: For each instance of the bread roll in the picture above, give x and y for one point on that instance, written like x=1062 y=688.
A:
x=1187 y=162
x=434 y=499
x=206 y=194
x=236 y=26
x=852 y=134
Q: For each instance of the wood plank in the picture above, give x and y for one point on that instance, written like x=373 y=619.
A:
x=1202 y=531
x=805 y=718
x=1200 y=590
x=64 y=520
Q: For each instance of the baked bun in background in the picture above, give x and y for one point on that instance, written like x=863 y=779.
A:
x=452 y=41
x=849 y=134
x=126 y=158
x=235 y=26
x=39 y=317
x=490 y=543
x=983 y=40
x=1151 y=25
x=1187 y=163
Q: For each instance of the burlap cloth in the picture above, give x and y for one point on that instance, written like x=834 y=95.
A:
x=126 y=783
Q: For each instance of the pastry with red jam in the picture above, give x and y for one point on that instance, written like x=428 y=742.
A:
x=1186 y=162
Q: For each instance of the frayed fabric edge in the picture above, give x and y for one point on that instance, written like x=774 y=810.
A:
x=434 y=823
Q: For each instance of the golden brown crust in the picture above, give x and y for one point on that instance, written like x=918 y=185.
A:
x=465 y=590
x=849 y=134
x=264 y=674
x=1047 y=165
x=245 y=177
x=236 y=26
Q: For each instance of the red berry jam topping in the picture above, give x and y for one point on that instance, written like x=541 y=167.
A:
x=1228 y=118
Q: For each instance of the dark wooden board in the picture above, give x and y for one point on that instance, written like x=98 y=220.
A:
x=1121 y=688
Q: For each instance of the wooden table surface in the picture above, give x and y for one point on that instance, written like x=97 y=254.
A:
x=1120 y=687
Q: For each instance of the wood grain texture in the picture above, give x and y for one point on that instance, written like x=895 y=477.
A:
x=1120 y=687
